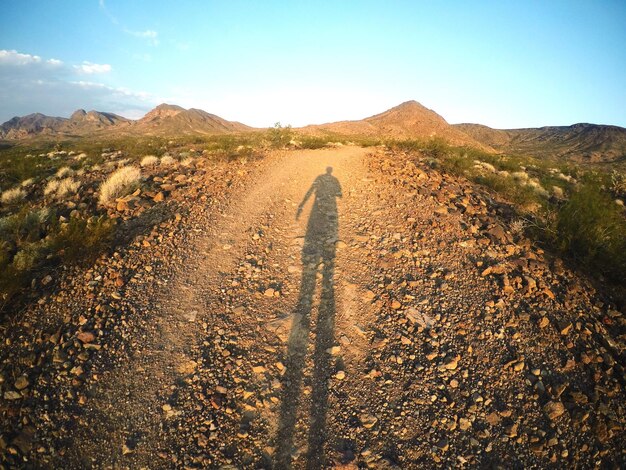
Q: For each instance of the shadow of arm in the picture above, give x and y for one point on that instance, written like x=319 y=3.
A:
x=308 y=194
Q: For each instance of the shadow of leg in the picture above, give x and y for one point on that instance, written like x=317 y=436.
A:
x=296 y=354
x=322 y=367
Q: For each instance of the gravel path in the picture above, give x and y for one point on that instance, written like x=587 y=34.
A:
x=340 y=308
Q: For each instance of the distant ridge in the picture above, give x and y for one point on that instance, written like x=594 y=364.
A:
x=410 y=120
x=173 y=119
x=579 y=142
x=30 y=125
x=165 y=119
x=407 y=120
x=97 y=118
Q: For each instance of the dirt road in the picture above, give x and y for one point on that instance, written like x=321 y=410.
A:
x=350 y=309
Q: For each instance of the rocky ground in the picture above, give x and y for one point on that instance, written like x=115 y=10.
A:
x=406 y=324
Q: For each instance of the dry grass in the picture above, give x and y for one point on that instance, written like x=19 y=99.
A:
x=187 y=162
x=51 y=187
x=67 y=186
x=119 y=183
x=11 y=196
x=63 y=172
x=149 y=160
x=167 y=160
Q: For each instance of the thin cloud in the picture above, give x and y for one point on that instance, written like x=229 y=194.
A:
x=107 y=13
x=90 y=68
x=148 y=35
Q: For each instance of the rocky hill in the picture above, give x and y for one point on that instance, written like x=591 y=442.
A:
x=579 y=142
x=30 y=125
x=405 y=121
x=171 y=119
x=165 y=119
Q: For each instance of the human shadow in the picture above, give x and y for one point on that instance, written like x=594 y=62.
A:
x=318 y=256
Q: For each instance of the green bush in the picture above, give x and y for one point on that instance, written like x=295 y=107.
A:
x=591 y=228
x=523 y=196
x=82 y=240
x=32 y=241
x=279 y=136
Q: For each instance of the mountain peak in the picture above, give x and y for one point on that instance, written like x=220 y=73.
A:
x=410 y=113
x=411 y=104
x=78 y=115
x=163 y=110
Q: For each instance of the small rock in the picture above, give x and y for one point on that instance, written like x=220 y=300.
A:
x=493 y=418
x=12 y=395
x=452 y=364
x=554 y=409
x=368 y=420
x=464 y=424
x=86 y=337
x=21 y=383
x=565 y=328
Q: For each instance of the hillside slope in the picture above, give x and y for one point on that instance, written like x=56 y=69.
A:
x=579 y=142
x=405 y=121
x=167 y=119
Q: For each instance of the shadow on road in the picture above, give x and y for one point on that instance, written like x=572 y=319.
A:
x=318 y=256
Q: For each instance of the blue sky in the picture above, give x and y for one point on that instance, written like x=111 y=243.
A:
x=504 y=64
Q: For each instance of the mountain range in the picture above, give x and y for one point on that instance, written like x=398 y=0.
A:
x=165 y=119
x=579 y=142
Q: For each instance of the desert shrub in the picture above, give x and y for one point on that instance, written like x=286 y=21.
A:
x=25 y=226
x=591 y=228
x=33 y=241
x=618 y=184
x=536 y=186
x=520 y=176
x=67 y=186
x=149 y=160
x=190 y=161
x=558 y=192
x=51 y=187
x=27 y=258
x=168 y=160
x=64 y=171
x=312 y=142
x=11 y=196
x=484 y=166
x=279 y=136
x=525 y=196
x=119 y=183
x=82 y=239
